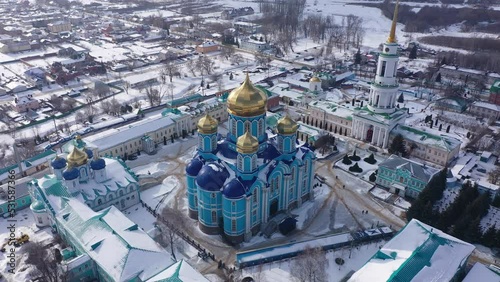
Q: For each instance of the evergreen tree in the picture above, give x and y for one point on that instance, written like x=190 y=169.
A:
x=372 y=177
x=355 y=168
x=468 y=134
x=440 y=127
x=231 y=76
x=413 y=53
x=354 y=157
x=357 y=58
x=448 y=129
x=370 y=159
x=496 y=201
x=401 y=99
x=438 y=77
x=423 y=207
x=397 y=146
x=488 y=238
x=346 y=160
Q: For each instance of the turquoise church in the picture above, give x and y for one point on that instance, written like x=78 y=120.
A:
x=237 y=184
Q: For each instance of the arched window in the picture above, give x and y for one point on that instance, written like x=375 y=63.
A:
x=260 y=126
x=121 y=192
x=255 y=196
x=292 y=178
x=240 y=162
x=214 y=216
x=247 y=126
x=254 y=162
x=110 y=197
x=233 y=127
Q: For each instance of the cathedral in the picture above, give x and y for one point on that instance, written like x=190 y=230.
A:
x=97 y=182
x=236 y=184
x=373 y=123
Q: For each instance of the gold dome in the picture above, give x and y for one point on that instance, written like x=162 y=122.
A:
x=314 y=79
x=247 y=144
x=77 y=157
x=286 y=125
x=247 y=100
x=207 y=125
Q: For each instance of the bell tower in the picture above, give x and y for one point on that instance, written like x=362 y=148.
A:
x=384 y=90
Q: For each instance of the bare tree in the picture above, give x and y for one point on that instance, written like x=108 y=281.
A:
x=56 y=102
x=154 y=96
x=169 y=230
x=494 y=176
x=227 y=52
x=310 y=265
x=80 y=117
x=191 y=66
x=170 y=69
x=262 y=59
x=236 y=59
x=205 y=65
x=43 y=262
x=114 y=107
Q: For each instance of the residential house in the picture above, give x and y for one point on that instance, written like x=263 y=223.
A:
x=439 y=149
x=495 y=93
x=485 y=110
x=24 y=103
x=403 y=176
x=207 y=47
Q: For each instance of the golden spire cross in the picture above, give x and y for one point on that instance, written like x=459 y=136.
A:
x=392 y=35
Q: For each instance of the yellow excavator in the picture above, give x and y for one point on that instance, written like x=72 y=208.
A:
x=23 y=239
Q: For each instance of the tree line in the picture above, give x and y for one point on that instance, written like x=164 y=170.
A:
x=480 y=44
x=430 y=17
x=478 y=60
x=461 y=218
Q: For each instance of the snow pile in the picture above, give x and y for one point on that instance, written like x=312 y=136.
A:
x=380 y=193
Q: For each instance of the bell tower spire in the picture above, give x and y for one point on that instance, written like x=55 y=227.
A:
x=392 y=35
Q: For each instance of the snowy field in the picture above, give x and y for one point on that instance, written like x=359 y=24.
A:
x=281 y=270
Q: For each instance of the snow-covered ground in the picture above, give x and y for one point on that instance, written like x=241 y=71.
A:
x=449 y=196
x=492 y=219
x=24 y=224
x=367 y=168
x=354 y=259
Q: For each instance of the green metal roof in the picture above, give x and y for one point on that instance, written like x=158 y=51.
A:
x=37 y=206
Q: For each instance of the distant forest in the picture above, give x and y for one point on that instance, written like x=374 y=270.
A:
x=427 y=18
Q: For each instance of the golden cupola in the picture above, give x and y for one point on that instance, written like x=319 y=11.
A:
x=247 y=100
x=77 y=157
x=314 y=79
x=207 y=125
x=247 y=144
x=286 y=125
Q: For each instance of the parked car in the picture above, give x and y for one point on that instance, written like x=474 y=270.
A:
x=132 y=157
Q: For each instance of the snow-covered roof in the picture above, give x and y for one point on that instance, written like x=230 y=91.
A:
x=332 y=108
x=422 y=137
x=181 y=271
x=53 y=189
x=479 y=272
x=113 y=137
x=486 y=106
x=417 y=170
x=418 y=252
x=115 y=243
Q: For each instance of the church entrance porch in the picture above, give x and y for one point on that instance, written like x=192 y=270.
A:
x=369 y=134
x=274 y=208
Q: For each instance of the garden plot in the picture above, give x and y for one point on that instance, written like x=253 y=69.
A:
x=360 y=163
